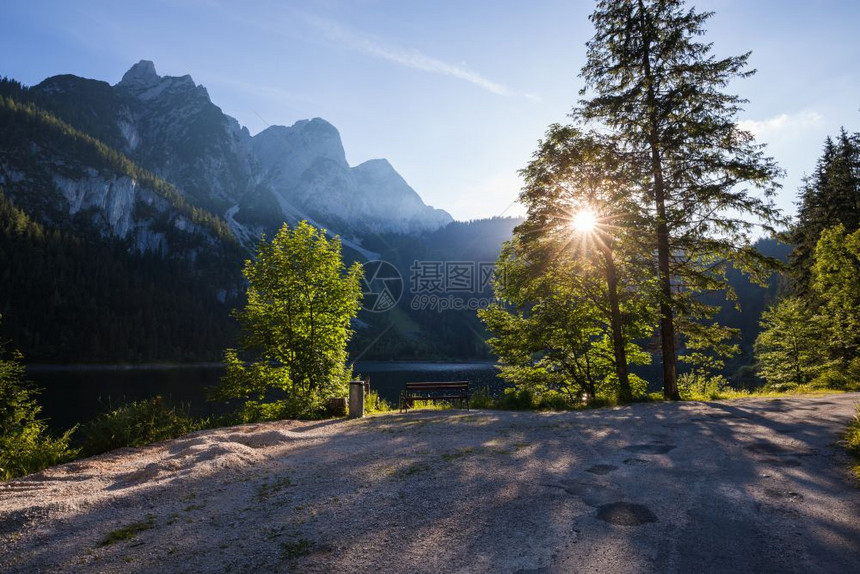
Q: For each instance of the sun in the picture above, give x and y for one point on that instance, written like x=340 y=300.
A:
x=585 y=221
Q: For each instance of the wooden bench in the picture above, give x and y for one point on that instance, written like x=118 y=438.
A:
x=441 y=391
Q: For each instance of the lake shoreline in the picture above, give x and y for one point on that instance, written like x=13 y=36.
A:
x=83 y=367
x=87 y=367
x=73 y=394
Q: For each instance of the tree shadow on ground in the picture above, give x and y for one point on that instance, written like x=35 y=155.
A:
x=734 y=486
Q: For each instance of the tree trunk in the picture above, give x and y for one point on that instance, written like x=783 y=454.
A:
x=667 y=323
x=625 y=394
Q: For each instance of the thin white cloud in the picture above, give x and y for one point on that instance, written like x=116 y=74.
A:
x=409 y=58
x=783 y=125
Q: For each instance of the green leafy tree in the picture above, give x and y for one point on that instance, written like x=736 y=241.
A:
x=25 y=443
x=301 y=299
x=570 y=307
x=792 y=347
x=579 y=206
x=836 y=283
x=551 y=330
x=658 y=90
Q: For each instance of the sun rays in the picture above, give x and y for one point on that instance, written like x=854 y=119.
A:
x=584 y=221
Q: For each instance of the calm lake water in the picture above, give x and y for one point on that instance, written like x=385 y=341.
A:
x=76 y=394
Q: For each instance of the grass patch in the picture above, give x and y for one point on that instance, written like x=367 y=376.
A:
x=300 y=547
x=852 y=442
x=373 y=403
x=449 y=456
x=128 y=532
x=762 y=393
x=411 y=470
x=431 y=405
x=512 y=399
x=269 y=488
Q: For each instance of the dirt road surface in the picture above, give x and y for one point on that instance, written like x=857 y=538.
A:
x=756 y=485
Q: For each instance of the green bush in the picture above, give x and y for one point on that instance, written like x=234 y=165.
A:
x=482 y=399
x=701 y=387
x=832 y=378
x=516 y=400
x=135 y=424
x=838 y=377
x=373 y=403
x=512 y=399
x=553 y=401
x=253 y=411
x=783 y=387
x=852 y=441
x=25 y=444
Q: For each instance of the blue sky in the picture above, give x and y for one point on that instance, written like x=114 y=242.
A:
x=454 y=93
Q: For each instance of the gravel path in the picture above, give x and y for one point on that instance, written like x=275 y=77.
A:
x=755 y=485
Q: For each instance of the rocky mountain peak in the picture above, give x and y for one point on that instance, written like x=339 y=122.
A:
x=144 y=83
x=169 y=125
x=141 y=75
x=289 y=151
x=376 y=166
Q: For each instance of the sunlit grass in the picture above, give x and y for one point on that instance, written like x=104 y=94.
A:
x=373 y=403
x=432 y=405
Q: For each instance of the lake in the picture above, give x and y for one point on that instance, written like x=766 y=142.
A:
x=76 y=394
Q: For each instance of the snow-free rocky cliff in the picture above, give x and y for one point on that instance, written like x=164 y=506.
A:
x=169 y=126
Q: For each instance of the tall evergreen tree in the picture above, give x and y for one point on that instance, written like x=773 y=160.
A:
x=658 y=89
x=792 y=347
x=829 y=197
x=836 y=283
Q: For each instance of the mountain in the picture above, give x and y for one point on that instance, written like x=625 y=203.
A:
x=169 y=126
x=72 y=181
x=126 y=212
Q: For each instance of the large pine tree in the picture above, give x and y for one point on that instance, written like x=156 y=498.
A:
x=652 y=83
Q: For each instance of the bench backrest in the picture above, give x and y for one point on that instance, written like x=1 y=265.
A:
x=440 y=386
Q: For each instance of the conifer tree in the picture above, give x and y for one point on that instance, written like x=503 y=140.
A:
x=792 y=347
x=829 y=197
x=658 y=90
x=836 y=282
